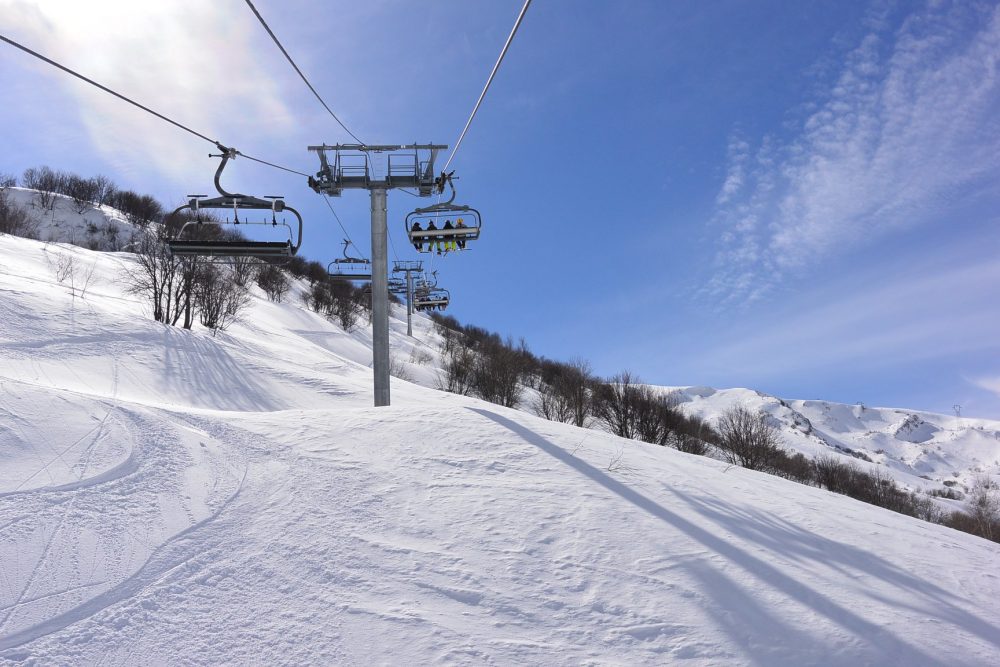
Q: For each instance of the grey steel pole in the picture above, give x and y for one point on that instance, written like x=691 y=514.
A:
x=409 y=303
x=380 y=297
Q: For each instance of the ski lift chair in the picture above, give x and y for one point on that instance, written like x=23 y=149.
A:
x=350 y=269
x=186 y=244
x=426 y=240
x=432 y=299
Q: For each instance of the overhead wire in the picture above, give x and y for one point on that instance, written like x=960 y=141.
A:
x=140 y=106
x=392 y=244
x=482 y=95
x=326 y=106
x=277 y=43
x=337 y=217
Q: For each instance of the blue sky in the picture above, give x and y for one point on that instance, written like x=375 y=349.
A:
x=801 y=198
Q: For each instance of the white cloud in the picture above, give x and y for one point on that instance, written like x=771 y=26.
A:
x=738 y=154
x=990 y=384
x=196 y=62
x=909 y=127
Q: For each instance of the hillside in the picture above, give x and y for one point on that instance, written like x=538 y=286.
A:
x=90 y=226
x=170 y=496
x=921 y=450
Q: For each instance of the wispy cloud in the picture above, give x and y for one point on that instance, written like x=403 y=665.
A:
x=990 y=384
x=197 y=62
x=926 y=312
x=909 y=126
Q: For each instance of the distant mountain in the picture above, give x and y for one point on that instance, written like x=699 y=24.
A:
x=923 y=451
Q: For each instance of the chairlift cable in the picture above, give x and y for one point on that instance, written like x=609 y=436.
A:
x=392 y=244
x=496 y=67
x=342 y=228
x=274 y=38
x=271 y=164
x=136 y=104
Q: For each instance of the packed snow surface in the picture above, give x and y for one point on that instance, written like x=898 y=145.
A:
x=170 y=497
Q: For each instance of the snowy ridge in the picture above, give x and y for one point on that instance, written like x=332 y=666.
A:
x=98 y=227
x=921 y=450
x=167 y=496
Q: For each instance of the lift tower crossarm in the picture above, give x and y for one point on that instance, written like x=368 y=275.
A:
x=379 y=148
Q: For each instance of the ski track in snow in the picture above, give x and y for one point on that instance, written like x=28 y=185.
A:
x=171 y=498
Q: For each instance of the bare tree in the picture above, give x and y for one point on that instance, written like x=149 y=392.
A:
x=244 y=270
x=458 y=364
x=689 y=444
x=46 y=184
x=319 y=298
x=552 y=405
x=345 y=308
x=112 y=232
x=398 y=369
x=83 y=192
x=615 y=404
x=140 y=210
x=65 y=267
x=653 y=415
x=14 y=220
x=104 y=190
x=984 y=507
x=155 y=274
x=833 y=474
x=564 y=392
x=273 y=281
x=219 y=300
x=747 y=439
x=497 y=373
x=84 y=279
x=7 y=181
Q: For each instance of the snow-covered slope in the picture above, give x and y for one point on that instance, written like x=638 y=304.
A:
x=170 y=497
x=922 y=450
x=97 y=227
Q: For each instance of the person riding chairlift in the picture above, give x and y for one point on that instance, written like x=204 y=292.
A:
x=433 y=241
x=461 y=239
x=418 y=243
x=449 y=242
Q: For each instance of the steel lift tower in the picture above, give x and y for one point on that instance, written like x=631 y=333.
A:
x=352 y=166
x=408 y=267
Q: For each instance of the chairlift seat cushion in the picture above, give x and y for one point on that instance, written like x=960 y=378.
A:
x=350 y=276
x=230 y=248
x=458 y=232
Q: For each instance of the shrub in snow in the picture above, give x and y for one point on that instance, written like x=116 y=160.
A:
x=140 y=210
x=46 y=184
x=456 y=369
x=273 y=281
x=984 y=507
x=218 y=298
x=83 y=192
x=498 y=371
x=244 y=270
x=747 y=439
x=615 y=404
x=14 y=220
